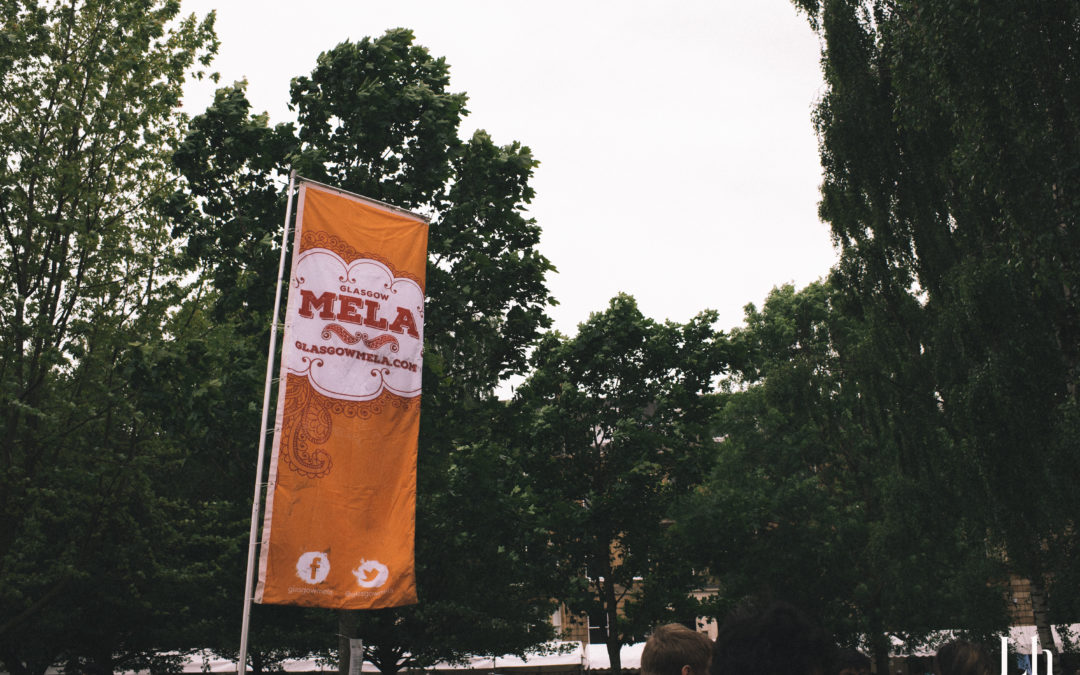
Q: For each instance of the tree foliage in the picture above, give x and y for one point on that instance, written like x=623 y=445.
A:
x=952 y=179
x=130 y=399
x=618 y=427
x=87 y=122
x=807 y=501
x=377 y=117
x=478 y=523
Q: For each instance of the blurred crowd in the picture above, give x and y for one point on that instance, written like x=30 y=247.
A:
x=779 y=639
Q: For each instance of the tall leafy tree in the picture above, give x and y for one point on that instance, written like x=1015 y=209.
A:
x=618 y=429
x=377 y=117
x=88 y=118
x=949 y=141
x=197 y=391
x=807 y=501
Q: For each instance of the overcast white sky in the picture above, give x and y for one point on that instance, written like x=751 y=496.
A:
x=678 y=158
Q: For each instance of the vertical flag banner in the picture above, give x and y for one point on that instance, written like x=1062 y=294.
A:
x=339 y=524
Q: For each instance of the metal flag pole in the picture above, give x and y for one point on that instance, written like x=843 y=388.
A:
x=256 y=501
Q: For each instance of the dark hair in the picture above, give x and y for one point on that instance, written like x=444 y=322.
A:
x=960 y=657
x=672 y=646
x=778 y=640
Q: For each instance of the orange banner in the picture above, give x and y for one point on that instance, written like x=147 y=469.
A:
x=341 y=502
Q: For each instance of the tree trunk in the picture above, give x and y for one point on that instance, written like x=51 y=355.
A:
x=1041 y=609
x=614 y=656
x=101 y=663
x=880 y=645
x=346 y=631
x=881 y=657
x=611 y=613
x=388 y=661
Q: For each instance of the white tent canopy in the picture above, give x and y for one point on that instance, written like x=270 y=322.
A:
x=629 y=655
x=555 y=656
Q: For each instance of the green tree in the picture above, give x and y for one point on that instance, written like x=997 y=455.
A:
x=198 y=391
x=807 y=501
x=949 y=137
x=88 y=120
x=618 y=428
x=376 y=117
x=478 y=523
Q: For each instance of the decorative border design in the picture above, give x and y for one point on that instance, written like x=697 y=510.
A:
x=318 y=239
x=350 y=339
x=307 y=423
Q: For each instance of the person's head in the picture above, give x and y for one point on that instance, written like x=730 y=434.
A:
x=674 y=649
x=777 y=640
x=962 y=658
x=852 y=662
